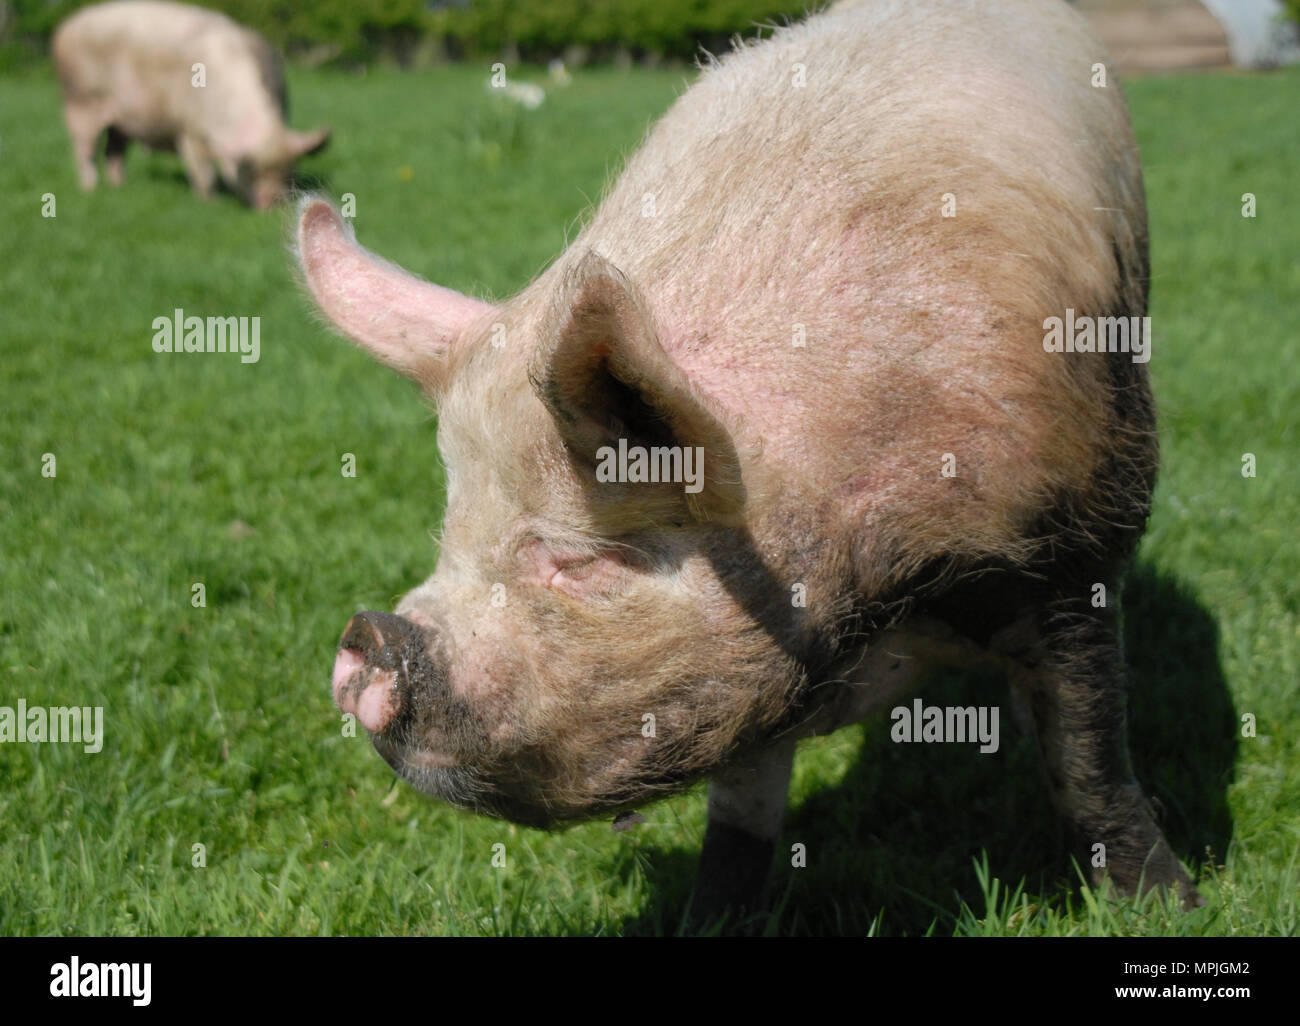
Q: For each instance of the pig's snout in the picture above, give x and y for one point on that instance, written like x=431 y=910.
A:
x=375 y=653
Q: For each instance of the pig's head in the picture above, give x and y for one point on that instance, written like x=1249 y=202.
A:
x=264 y=176
x=584 y=645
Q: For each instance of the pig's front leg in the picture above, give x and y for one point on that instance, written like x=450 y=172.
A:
x=85 y=122
x=198 y=164
x=746 y=806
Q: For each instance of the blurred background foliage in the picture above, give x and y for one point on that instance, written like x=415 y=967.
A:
x=1292 y=9
x=356 y=32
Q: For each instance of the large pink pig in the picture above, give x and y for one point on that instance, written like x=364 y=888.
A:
x=785 y=428
x=178 y=77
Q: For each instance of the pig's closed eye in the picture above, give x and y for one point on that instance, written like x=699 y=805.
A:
x=576 y=570
x=580 y=574
x=589 y=573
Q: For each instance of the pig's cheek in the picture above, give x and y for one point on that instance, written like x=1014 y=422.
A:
x=483 y=675
x=495 y=683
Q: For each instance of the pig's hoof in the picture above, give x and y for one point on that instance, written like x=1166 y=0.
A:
x=729 y=887
x=1162 y=873
x=627 y=820
x=1192 y=898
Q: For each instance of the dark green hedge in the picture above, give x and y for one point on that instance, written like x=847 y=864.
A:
x=358 y=31
x=667 y=28
x=1292 y=9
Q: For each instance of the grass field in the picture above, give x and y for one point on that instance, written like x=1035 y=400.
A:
x=220 y=729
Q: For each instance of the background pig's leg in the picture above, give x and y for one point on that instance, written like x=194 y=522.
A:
x=746 y=805
x=114 y=156
x=1078 y=699
x=198 y=164
x=85 y=121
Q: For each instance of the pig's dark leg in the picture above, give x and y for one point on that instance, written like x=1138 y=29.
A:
x=114 y=156
x=746 y=806
x=1078 y=699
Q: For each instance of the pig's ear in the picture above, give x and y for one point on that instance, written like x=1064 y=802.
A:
x=603 y=375
x=302 y=144
x=409 y=324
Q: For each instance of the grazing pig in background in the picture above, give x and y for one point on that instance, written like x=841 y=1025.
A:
x=827 y=274
x=129 y=69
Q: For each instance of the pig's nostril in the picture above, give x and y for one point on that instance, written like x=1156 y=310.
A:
x=346 y=664
x=368 y=694
x=361 y=635
x=379 y=655
x=379 y=637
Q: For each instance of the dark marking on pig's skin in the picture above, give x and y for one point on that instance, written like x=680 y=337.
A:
x=115 y=142
x=1081 y=727
x=270 y=69
x=425 y=700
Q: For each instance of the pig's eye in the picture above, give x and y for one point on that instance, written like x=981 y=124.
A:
x=577 y=569
x=583 y=574
x=579 y=573
x=587 y=574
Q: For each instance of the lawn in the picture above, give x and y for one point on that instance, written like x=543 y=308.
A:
x=220 y=731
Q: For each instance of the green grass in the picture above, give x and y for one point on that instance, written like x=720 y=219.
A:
x=220 y=727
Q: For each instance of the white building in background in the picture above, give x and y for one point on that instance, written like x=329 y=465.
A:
x=1259 y=36
x=1167 y=35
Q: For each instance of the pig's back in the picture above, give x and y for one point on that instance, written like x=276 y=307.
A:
x=786 y=214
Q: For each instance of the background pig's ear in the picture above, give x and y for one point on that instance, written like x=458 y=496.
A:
x=603 y=375
x=301 y=144
x=409 y=324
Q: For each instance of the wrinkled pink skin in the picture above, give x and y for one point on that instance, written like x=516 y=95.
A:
x=129 y=68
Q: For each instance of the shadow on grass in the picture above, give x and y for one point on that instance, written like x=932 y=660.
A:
x=305 y=181
x=895 y=839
